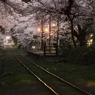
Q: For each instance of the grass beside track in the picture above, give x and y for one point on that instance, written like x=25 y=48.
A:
x=15 y=80
x=80 y=75
x=15 y=77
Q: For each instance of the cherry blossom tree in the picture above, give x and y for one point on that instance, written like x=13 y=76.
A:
x=73 y=12
x=10 y=17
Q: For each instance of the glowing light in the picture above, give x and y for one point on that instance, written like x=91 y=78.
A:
x=33 y=47
x=91 y=35
x=39 y=29
x=7 y=37
x=91 y=40
x=53 y=24
x=46 y=30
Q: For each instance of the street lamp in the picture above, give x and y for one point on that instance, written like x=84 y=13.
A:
x=53 y=25
x=46 y=30
x=39 y=29
x=57 y=40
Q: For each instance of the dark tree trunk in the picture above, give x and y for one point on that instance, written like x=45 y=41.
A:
x=42 y=35
x=68 y=13
x=72 y=33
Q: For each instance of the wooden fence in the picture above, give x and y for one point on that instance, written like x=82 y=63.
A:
x=51 y=50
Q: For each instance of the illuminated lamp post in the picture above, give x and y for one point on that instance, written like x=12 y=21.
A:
x=53 y=25
x=42 y=43
x=57 y=39
x=49 y=33
x=57 y=36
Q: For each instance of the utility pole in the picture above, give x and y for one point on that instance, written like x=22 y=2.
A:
x=57 y=35
x=49 y=33
x=42 y=34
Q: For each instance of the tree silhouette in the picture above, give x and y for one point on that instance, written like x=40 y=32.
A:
x=81 y=35
x=2 y=30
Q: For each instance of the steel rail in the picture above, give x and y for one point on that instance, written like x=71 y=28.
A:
x=85 y=92
x=77 y=88
x=51 y=89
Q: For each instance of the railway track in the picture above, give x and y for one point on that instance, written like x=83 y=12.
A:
x=53 y=82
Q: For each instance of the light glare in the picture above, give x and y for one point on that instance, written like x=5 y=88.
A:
x=53 y=25
x=46 y=30
x=33 y=47
x=7 y=37
x=39 y=29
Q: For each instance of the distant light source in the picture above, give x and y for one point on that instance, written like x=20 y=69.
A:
x=91 y=35
x=89 y=42
x=53 y=24
x=33 y=47
x=7 y=37
x=46 y=30
x=39 y=29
